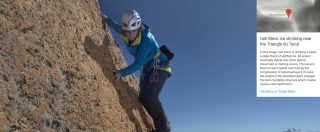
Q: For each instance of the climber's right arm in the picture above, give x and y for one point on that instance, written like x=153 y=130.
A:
x=112 y=23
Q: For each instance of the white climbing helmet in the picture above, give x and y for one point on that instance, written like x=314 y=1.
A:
x=131 y=20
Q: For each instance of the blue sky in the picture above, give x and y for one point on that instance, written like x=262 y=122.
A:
x=213 y=86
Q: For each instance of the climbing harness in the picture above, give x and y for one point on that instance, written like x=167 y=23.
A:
x=154 y=77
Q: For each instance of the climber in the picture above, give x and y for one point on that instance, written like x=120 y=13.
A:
x=153 y=60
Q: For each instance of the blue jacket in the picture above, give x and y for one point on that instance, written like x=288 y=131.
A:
x=144 y=48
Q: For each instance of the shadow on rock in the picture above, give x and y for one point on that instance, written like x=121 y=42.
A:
x=127 y=95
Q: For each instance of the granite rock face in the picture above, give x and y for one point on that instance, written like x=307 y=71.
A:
x=56 y=70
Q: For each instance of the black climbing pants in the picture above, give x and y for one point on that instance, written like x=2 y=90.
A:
x=149 y=97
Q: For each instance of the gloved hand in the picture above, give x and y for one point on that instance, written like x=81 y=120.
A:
x=104 y=20
x=117 y=76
